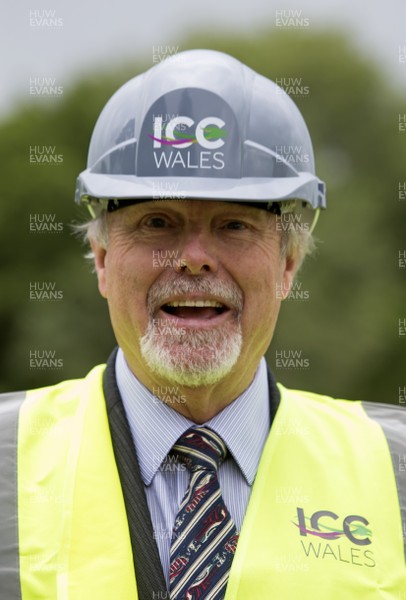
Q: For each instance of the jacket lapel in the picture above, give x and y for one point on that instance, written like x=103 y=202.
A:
x=147 y=563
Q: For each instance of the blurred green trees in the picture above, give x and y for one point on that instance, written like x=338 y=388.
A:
x=344 y=317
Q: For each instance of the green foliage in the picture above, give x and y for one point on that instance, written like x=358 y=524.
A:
x=348 y=326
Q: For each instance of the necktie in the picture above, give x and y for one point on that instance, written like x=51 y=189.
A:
x=204 y=537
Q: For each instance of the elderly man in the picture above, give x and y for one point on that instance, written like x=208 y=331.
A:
x=181 y=469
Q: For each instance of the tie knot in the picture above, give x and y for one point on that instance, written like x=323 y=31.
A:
x=200 y=448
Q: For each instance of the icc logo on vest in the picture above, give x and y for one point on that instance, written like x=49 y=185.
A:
x=321 y=525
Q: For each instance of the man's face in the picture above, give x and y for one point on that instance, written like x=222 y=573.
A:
x=191 y=287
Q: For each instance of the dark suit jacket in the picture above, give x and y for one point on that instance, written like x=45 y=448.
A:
x=147 y=564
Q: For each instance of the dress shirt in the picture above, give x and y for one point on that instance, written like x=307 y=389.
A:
x=155 y=427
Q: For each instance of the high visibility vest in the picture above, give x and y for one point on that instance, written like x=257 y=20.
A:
x=326 y=518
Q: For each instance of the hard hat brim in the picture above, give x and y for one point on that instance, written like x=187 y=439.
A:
x=305 y=186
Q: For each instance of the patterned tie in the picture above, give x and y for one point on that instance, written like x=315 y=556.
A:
x=204 y=537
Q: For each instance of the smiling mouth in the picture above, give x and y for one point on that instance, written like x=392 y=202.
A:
x=194 y=309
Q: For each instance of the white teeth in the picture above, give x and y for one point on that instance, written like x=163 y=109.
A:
x=199 y=303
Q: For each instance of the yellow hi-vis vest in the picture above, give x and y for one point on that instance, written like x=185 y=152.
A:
x=325 y=521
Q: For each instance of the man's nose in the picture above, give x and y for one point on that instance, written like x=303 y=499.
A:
x=197 y=254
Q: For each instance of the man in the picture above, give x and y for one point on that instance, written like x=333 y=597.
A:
x=182 y=470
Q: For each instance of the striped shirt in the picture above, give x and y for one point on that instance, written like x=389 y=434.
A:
x=155 y=427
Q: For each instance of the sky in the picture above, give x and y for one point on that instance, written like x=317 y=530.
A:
x=63 y=40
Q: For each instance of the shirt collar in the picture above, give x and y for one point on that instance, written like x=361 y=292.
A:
x=155 y=427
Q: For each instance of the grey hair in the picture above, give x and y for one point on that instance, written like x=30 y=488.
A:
x=94 y=229
x=296 y=239
x=296 y=229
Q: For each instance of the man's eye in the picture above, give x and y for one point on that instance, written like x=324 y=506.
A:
x=235 y=225
x=156 y=222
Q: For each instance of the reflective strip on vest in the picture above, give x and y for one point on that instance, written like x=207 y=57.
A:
x=10 y=588
x=392 y=420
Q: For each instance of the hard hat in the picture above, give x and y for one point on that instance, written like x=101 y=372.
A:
x=200 y=124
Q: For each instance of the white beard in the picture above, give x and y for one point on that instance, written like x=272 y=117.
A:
x=192 y=358
x=187 y=357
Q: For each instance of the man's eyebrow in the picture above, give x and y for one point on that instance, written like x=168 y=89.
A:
x=234 y=209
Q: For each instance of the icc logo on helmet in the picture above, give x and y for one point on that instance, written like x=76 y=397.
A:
x=213 y=125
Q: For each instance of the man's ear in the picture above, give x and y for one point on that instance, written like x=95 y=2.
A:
x=99 y=254
x=289 y=269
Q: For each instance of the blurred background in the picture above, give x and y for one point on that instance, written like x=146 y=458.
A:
x=342 y=331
